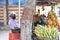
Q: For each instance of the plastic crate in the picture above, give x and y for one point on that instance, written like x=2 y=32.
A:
x=14 y=36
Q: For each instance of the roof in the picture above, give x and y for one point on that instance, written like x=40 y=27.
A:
x=57 y=1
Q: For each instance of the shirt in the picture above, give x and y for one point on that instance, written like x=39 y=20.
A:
x=13 y=24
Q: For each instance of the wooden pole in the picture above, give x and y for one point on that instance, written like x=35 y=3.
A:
x=26 y=22
x=7 y=11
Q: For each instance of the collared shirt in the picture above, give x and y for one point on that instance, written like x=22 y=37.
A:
x=13 y=24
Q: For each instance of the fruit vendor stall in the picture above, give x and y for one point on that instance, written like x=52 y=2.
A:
x=46 y=22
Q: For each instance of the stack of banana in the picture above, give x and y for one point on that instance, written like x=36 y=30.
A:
x=45 y=32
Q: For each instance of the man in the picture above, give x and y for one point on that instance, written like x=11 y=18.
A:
x=15 y=27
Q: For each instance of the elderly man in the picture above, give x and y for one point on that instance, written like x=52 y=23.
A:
x=15 y=27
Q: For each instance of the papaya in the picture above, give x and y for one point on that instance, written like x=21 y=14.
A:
x=54 y=23
x=52 y=26
x=49 y=22
x=49 y=14
x=53 y=19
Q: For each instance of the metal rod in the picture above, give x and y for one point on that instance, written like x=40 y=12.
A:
x=19 y=12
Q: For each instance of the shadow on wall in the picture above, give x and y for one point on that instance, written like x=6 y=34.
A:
x=1 y=24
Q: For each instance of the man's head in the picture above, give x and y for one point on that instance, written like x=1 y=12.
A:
x=12 y=15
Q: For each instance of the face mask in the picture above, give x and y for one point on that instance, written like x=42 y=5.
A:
x=14 y=17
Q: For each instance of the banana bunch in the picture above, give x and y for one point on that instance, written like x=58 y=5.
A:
x=45 y=32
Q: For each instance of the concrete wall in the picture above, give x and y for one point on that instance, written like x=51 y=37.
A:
x=14 y=8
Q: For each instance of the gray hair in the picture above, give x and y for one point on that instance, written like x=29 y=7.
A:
x=12 y=15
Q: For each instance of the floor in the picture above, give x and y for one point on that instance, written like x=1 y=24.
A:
x=4 y=35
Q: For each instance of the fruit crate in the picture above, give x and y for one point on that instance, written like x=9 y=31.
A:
x=37 y=38
x=47 y=39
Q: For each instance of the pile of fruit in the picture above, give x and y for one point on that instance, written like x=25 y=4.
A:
x=52 y=19
x=45 y=32
x=50 y=27
x=39 y=19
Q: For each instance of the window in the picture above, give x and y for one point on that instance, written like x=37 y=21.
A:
x=2 y=2
x=22 y=2
x=15 y=2
x=12 y=2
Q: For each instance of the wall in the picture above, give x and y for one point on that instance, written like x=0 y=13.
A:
x=10 y=8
